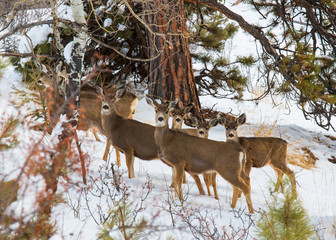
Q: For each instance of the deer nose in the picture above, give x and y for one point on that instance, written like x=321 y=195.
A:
x=231 y=135
x=160 y=119
x=201 y=132
x=105 y=107
x=178 y=120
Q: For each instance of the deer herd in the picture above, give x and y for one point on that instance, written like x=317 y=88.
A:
x=184 y=150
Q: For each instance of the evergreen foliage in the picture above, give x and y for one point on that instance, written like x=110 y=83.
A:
x=303 y=35
x=285 y=219
x=3 y=65
x=8 y=138
x=296 y=57
x=122 y=224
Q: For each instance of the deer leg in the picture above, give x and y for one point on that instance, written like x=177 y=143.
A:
x=129 y=155
x=235 y=195
x=184 y=179
x=207 y=181
x=178 y=181
x=279 y=180
x=245 y=174
x=107 y=150
x=172 y=185
x=198 y=183
x=291 y=177
x=290 y=174
x=96 y=135
x=238 y=183
x=214 y=184
x=118 y=157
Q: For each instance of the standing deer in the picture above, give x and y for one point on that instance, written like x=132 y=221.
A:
x=260 y=151
x=198 y=155
x=90 y=113
x=125 y=107
x=133 y=138
x=202 y=131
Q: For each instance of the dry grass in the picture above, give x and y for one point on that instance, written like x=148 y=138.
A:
x=265 y=130
x=302 y=157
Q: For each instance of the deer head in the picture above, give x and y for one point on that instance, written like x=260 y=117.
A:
x=110 y=99
x=161 y=110
x=203 y=126
x=231 y=125
x=178 y=114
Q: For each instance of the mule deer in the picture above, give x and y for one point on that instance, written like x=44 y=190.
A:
x=202 y=131
x=260 y=151
x=91 y=114
x=125 y=107
x=198 y=155
x=133 y=138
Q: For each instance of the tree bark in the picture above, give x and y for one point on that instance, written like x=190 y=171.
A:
x=171 y=74
x=75 y=67
x=68 y=125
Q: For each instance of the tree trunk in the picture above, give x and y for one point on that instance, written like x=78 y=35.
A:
x=170 y=69
x=68 y=125
x=75 y=67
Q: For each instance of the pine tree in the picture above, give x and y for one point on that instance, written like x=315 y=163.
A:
x=122 y=223
x=285 y=219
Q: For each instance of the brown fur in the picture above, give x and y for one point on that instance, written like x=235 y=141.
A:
x=198 y=155
x=131 y=137
x=204 y=126
x=260 y=151
x=90 y=107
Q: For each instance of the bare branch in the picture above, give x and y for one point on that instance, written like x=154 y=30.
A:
x=30 y=25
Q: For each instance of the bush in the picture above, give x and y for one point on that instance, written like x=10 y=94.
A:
x=285 y=219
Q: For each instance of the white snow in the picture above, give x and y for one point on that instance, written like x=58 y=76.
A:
x=316 y=187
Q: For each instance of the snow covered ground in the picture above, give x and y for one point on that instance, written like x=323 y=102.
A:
x=316 y=187
x=74 y=217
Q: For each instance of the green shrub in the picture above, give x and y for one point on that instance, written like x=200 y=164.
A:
x=122 y=223
x=285 y=219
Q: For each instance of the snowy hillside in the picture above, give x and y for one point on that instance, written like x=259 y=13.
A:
x=80 y=216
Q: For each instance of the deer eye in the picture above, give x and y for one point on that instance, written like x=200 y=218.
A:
x=227 y=128
x=167 y=111
x=235 y=128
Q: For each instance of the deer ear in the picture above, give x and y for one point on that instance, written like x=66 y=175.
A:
x=221 y=118
x=98 y=90
x=151 y=101
x=172 y=111
x=173 y=104
x=241 y=119
x=188 y=108
x=120 y=92
x=213 y=122
x=192 y=119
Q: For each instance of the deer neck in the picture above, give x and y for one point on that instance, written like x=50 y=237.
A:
x=110 y=122
x=161 y=135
